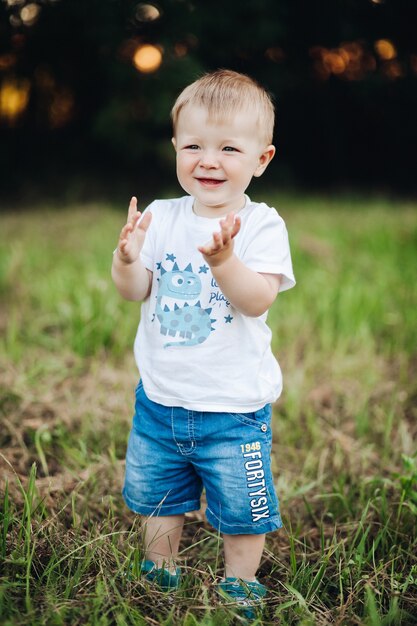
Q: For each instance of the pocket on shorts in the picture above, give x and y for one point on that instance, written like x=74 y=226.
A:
x=260 y=420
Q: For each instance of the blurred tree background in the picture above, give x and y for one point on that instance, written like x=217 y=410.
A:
x=86 y=88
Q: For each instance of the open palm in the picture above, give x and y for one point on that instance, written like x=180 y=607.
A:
x=133 y=233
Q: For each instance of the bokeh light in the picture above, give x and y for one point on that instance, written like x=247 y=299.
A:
x=147 y=58
x=393 y=69
x=15 y=21
x=385 y=49
x=334 y=62
x=30 y=13
x=7 y=61
x=147 y=12
x=56 y=101
x=14 y=98
x=180 y=50
x=275 y=54
x=350 y=61
x=61 y=108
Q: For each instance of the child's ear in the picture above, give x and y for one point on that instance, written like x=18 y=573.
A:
x=174 y=143
x=264 y=160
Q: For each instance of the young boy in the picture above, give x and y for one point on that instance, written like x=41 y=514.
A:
x=207 y=267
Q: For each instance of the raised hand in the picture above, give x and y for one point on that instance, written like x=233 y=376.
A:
x=220 y=248
x=132 y=235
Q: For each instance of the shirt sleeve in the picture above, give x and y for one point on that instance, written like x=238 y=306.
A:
x=268 y=249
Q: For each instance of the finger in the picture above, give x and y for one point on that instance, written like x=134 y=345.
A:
x=236 y=227
x=126 y=230
x=123 y=246
x=229 y=219
x=135 y=219
x=208 y=249
x=133 y=207
x=226 y=233
x=233 y=223
x=145 y=221
x=217 y=241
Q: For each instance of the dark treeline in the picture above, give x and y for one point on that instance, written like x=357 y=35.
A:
x=86 y=88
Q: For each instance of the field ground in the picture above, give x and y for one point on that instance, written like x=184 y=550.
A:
x=345 y=428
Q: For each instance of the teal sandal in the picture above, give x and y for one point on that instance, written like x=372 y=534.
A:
x=166 y=580
x=248 y=596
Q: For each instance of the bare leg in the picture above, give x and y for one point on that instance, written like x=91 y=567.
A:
x=242 y=555
x=162 y=539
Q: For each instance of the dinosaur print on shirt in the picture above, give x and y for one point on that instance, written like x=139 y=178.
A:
x=190 y=322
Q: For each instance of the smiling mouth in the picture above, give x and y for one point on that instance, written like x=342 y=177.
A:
x=210 y=182
x=190 y=294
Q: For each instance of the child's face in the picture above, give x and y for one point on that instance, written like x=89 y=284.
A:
x=216 y=160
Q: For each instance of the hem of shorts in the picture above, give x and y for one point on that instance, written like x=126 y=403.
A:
x=260 y=528
x=161 y=510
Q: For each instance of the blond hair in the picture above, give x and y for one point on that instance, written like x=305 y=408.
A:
x=225 y=92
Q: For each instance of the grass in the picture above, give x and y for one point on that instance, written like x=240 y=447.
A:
x=344 y=453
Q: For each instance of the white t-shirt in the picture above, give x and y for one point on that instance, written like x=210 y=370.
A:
x=193 y=348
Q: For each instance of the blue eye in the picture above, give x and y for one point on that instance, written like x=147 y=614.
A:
x=229 y=149
x=192 y=147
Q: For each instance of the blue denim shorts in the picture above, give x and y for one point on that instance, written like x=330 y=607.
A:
x=173 y=453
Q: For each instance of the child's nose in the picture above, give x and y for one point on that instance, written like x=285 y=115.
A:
x=209 y=159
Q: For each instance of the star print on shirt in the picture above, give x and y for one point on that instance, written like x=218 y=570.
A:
x=158 y=266
x=228 y=319
x=171 y=257
x=203 y=269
